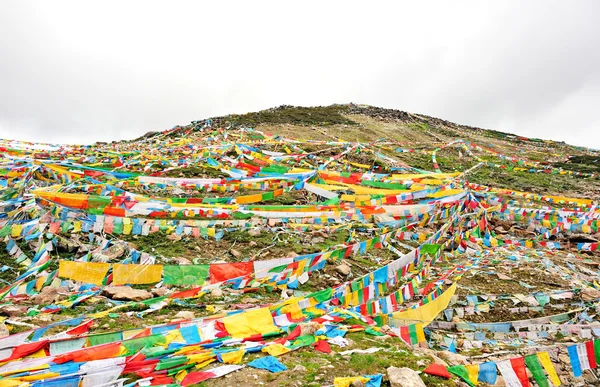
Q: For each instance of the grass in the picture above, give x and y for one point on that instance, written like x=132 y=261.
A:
x=318 y=115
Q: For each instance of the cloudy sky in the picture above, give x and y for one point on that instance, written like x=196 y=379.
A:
x=78 y=72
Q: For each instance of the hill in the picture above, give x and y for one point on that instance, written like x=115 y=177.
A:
x=302 y=246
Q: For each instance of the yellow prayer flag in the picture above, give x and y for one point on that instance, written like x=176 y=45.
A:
x=88 y=272
x=249 y=323
x=473 y=370
x=428 y=312
x=136 y=274
x=544 y=358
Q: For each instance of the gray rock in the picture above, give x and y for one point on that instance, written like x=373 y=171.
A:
x=343 y=269
x=50 y=295
x=299 y=368
x=13 y=310
x=404 y=377
x=185 y=315
x=235 y=253
x=126 y=293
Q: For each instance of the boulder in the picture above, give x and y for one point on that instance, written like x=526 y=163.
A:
x=185 y=315
x=159 y=292
x=404 y=377
x=181 y=261
x=13 y=310
x=343 y=269
x=4 y=330
x=309 y=328
x=299 y=368
x=126 y=293
x=50 y=295
x=454 y=358
x=236 y=253
x=590 y=294
x=216 y=292
x=254 y=232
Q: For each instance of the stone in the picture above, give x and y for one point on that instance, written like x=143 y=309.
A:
x=454 y=358
x=343 y=269
x=404 y=377
x=309 y=328
x=50 y=295
x=13 y=310
x=181 y=261
x=357 y=383
x=317 y=240
x=500 y=230
x=589 y=294
x=250 y=300
x=174 y=237
x=236 y=253
x=159 y=292
x=299 y=368
x=252 y=244
x=216 y=292
x=4 y=330
x=185 y=315
x=254 y=232
x=126 y=293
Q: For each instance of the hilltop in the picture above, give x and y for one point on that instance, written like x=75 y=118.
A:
x=345 y=245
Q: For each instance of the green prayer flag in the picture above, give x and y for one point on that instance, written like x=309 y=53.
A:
x=105 y=338
x=412 y=332
x=461 y=372
x=185 y=274
x=534 y=365
x=321 y=295
x=430 y=249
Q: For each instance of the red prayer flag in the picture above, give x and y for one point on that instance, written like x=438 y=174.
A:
x=220 y=272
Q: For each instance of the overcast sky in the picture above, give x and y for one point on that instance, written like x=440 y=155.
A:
x=78 y=72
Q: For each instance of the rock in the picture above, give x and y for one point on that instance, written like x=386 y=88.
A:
x=185 y=315
x=126 y=293
x=299 y=368
x=174 y=237
x=473 y=246
x=404 y=377
x=454 y=358
x=582 y=238
x=159 y=292
x=317 y=240
x=13 y=310
x=357 y=383
x=3 y=330
x=500 y=230
x=252 y=243
x=309 y=328
x=236 y=253
x=343 y=269
x=589 y=294
x=181 y=261
x=216 y=292
x=291 y=254
x=250 y=300
x=114 y=251
x=254 y=232
x=50 y=295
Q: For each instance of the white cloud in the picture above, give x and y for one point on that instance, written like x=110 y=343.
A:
x=79 y=71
